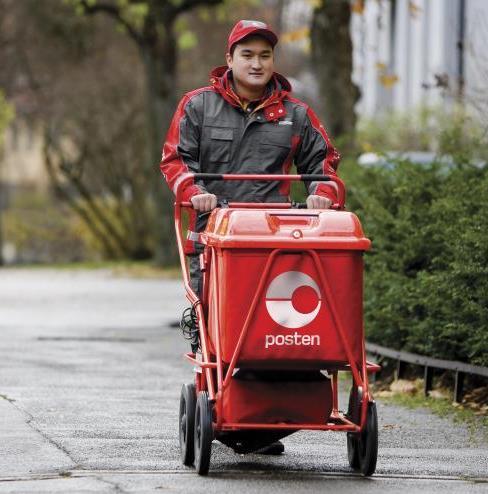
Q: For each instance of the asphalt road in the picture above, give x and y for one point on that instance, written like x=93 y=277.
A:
x=90 y=375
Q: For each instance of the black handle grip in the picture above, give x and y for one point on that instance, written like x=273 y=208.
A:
x=315 y=178
x=218 y=176
x=208 y=176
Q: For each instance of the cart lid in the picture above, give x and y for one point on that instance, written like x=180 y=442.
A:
x=290 y=228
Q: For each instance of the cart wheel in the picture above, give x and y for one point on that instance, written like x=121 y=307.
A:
x=368 y=442
x=353 y=451
x=187 y=423
x=354 y=414
x=203 y=433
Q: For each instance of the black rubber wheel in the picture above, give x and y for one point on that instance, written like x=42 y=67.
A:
x=368 y=442
x=203 y=433
x=353 y=451
x=354 y=414
x=187 y=423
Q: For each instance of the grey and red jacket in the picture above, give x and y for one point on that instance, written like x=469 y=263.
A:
x=212 y=131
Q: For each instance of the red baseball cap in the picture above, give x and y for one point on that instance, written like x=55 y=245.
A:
x=243 y=29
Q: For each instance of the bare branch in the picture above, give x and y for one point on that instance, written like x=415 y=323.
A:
x=114 y=12
x=190 y=4
x=110 y=250
x=70 y=170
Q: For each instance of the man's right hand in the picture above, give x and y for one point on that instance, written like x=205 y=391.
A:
x=204 y=202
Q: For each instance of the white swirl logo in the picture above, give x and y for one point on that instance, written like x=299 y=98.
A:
x=293 y=299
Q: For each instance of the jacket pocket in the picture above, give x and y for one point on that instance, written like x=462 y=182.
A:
x=273 y=149
x=276 y=135
x=221 y=145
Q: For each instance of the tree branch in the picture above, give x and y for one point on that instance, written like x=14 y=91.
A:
x=105 y=240
x=69 y=169
x=190 y=4
x=112 y=11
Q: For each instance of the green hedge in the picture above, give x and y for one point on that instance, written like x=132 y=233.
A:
x=426 y=283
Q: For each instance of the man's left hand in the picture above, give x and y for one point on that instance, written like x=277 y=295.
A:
x=318 y=202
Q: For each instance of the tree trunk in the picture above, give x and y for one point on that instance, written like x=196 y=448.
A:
x=332 y=59
x=160 y=65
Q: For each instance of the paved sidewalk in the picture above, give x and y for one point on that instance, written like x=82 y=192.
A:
x=90 y=373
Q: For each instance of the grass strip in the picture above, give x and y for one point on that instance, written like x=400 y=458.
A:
x=131 y=269
x=477 y=424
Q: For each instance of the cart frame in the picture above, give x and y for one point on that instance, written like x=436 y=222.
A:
x=211 y=375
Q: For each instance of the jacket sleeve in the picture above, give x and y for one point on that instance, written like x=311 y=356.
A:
x=316 y=155
x=182 y=148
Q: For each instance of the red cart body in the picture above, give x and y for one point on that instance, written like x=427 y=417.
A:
x=292 y=326
x=280 y=314
x=268 y=402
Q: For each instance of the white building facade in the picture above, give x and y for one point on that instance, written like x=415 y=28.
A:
x=412 y=53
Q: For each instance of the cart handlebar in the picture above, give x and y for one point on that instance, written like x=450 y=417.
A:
x=338 y=185
x=253 y=205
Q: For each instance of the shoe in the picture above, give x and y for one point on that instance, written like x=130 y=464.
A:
x=275 y=448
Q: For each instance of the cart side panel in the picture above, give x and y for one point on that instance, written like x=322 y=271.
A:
x=278 y=402
x=292 y=324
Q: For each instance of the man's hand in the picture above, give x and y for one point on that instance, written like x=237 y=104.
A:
x=318 y=202
x=204 y=202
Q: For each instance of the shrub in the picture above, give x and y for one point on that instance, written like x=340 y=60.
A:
x=426 y=283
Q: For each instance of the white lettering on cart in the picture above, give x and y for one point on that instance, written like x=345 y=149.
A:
x=291 y=339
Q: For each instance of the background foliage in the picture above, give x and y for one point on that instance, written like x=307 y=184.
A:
x=6 y=115
x=426 y=283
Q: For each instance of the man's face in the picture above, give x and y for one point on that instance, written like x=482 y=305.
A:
x=252 y=62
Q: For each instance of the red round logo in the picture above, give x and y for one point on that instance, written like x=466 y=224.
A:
x=293 y=299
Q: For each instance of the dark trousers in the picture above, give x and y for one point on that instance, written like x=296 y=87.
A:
x=196 y=276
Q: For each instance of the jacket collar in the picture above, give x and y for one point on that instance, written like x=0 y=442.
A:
x=278 y=87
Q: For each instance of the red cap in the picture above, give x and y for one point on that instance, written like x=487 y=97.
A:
x=243 y=29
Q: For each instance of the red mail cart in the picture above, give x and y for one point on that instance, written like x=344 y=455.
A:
x=280 y=314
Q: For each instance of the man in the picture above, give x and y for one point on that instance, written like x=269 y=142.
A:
x=246 y=122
